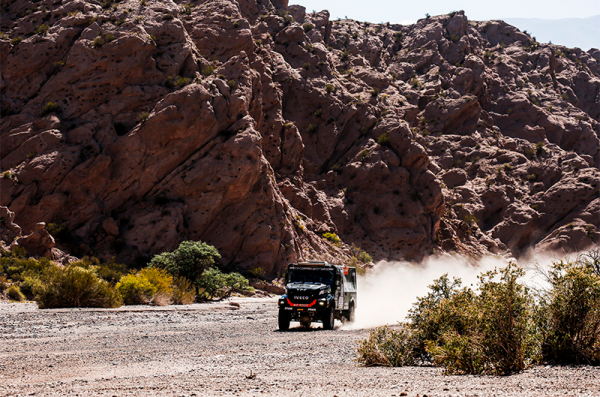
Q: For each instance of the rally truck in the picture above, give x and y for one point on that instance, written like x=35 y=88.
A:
x=317 y=291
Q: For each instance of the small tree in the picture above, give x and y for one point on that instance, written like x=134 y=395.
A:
x=189 y=260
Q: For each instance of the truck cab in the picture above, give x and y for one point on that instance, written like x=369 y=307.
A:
x=318 y=291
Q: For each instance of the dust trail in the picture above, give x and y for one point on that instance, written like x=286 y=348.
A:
x=388 y=291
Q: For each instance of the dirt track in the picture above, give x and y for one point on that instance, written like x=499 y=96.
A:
x=218 y=349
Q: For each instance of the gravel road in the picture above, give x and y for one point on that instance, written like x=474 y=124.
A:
x=222 y=350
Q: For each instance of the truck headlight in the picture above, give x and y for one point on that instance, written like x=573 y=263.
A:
x=281 y=302
x=322 y=303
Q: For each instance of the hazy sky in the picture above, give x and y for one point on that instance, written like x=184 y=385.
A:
x=409 y=11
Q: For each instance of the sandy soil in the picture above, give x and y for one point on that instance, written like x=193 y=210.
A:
x=219 y=349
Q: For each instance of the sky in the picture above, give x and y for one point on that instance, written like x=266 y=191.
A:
x=539 y=17
x=377 y=11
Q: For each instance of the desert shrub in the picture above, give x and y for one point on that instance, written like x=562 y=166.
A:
x=142 y=117
x=28 y=285
x=508 y=335
x=330 y=88
x=490 y=330
x=48 y=108
x=570 y=314
x=98 y=42
x=111 y=271
x=187 y=8
x=439 y=312
x=42 y=29
x=162 y=282
x=177 y=82
x=17 y=268
x=3 y=283
x=332 y=237
x=385 y=346
x=150 y=285
x=208 y=70
x=235 y=283
x=539 y=148
x=384 y=139
x=308 y=27
x=257 y=272
x=364 y=257
x=471 y=219
x=59 y=231
x=189 y=260
x=184 y=292
x=135 y=289
x=14 y=293
x=74 y=286
x=210 y=283
x=214 y=284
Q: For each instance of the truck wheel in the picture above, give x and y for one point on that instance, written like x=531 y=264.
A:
x=351 y=314
x=284 y=321
x=328 y=319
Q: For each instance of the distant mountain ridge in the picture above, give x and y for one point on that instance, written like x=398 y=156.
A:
x=571 y=32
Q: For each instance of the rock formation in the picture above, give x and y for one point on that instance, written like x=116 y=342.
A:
x=258 y=127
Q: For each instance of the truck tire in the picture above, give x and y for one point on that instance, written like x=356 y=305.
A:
x=328 y=319
x=284 y=321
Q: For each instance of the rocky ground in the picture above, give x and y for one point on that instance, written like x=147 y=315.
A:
x=223 y=349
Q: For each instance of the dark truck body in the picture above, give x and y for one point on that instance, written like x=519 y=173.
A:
x=318 y=291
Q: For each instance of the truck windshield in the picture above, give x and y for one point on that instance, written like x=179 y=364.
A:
x=311 y=276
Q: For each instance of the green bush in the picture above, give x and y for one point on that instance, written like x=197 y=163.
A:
x=389 y=347
x=184 y=292
x=28 y=285
x=14 y=293
x=74 y=286
x=18 y=268
x=135 y=289
x=570 y=314
x=508 y=333
x=163 y=284
x=214 y=284
x=42 y=29
x=189 y=260
x=142 y=117
x=364 y=257
x=490 y=330
x=3 y=282
x=48 y=108
x=333 y=238
x=308 y=27
x=384 y=140
x=208 y=70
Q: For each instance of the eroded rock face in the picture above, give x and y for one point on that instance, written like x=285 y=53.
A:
x=257 y=127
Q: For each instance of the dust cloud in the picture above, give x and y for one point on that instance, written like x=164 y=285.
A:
x=387 y=292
